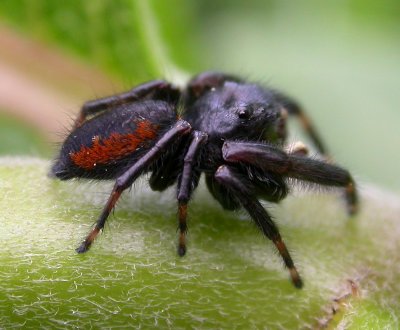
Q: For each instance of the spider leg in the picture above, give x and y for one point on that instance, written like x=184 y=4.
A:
x=267 y=185
x=240 y=188
x=129 y=176
x=294 y=109
x=187 y=183
x=157 y=89
x=227 y=200
x=274 y=160
x=204 y=82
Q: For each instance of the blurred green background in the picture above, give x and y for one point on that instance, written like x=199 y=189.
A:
x=340 y=59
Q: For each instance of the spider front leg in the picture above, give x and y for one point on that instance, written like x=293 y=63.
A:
x=241 y=188
x=272 y=159
x=128 y=177
x=157 y=89
x=187 y=183
x=293 y=109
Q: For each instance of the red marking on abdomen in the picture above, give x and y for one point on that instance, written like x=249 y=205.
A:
x=115 y=147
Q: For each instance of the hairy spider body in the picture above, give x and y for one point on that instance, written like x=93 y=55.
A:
x=231 y=130
x=104 y=146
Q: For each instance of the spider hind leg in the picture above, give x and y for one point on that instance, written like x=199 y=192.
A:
x=156 y=89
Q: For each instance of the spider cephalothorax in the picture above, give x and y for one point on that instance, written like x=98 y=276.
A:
x=231 y=130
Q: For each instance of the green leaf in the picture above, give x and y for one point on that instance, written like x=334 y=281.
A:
x=130 y=38
x=231 y=275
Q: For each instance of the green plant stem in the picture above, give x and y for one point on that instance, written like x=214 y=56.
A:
x=151 y=41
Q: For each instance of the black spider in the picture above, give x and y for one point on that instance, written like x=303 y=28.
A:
x=220 y=125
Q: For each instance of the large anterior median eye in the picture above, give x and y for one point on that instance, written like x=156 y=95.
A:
x=244 y=113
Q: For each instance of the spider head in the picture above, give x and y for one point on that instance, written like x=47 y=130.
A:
x=237 y=111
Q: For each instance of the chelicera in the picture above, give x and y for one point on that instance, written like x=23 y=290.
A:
x=231 y=130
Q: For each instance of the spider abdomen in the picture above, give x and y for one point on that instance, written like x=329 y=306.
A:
x=104 y=145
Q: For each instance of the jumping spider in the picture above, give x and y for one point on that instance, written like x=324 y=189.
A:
x=231 y=130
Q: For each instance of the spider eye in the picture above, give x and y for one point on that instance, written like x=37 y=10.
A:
x=244 y=114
